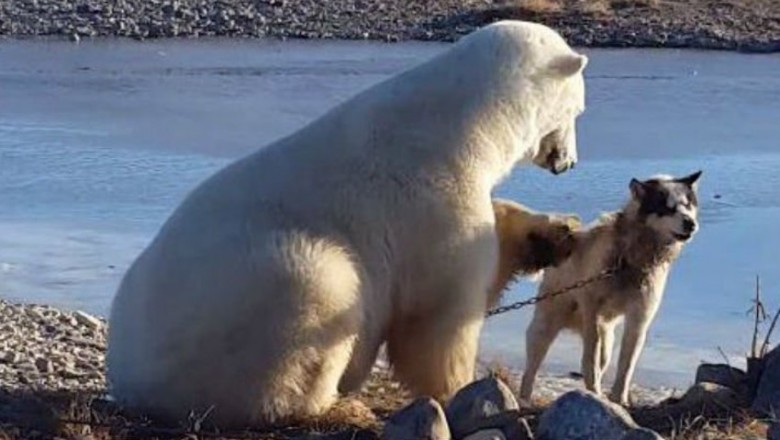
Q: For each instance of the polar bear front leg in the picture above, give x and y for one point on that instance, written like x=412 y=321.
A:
x=433 y=349
x=436 y=356
x=433 y=338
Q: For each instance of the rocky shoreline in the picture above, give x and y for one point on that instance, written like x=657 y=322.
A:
x=45 y=350
x=52 y=384
x=42 y=347
x=743 y=25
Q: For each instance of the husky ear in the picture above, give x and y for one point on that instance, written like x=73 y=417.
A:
x=564 y=66
x=638 y=189
x=690 y=180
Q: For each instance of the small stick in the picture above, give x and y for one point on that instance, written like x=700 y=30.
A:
x=723 y=353
x=757 y=308
x=765 y=346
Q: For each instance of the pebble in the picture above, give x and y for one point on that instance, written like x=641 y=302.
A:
x=44 y=365
x=87 y=320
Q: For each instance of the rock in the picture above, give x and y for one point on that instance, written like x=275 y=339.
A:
x=69 y=320
x=582 y=415
x=486 y=434
x=70 y=373
x=477 y=402
x=10 y=357
x=87 y=320
x=705 y=395
x=641 y=434
x=722 y=374
x=27 y=367
x=773 y=433
x=769 y=385
x=422 y=419
x=44 y=365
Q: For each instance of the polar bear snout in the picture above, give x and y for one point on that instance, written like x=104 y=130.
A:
x=557 y=162
x=558 y=150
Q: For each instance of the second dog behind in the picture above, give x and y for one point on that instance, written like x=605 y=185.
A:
x=641 y=241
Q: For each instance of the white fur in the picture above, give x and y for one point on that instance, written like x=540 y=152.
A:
x=643 y=248
x=275 y=282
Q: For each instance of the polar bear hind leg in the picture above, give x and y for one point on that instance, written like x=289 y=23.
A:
x=324 y=285
x=301 y=349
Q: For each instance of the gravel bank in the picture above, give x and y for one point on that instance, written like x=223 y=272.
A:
x=45 y=348
x=745 y=25
x=52 y=384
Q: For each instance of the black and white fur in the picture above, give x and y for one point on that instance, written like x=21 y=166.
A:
x=641 y=241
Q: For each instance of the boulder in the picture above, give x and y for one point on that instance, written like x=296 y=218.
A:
x=422 y=419
x=773 y=433
x=722 y=374
x=486 y=403
x=582 y=415
x=486 y=434
x=706 y=396
x=767 y=400
x=641 y=434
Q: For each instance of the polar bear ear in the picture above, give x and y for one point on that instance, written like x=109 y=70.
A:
x=568 y=65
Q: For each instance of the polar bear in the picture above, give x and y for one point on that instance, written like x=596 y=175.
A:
x=272 y=286
x=529 y=242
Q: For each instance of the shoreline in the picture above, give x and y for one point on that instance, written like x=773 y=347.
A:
x=52 y=384
x=751 y=26
x=46 y=347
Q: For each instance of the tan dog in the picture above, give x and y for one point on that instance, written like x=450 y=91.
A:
x=529 y=242
x=641 y=242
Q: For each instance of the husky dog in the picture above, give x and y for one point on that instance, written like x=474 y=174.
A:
x=641 y=241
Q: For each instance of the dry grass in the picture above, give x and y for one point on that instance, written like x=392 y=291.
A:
x=28 y=414
x=46 y=415
x=595 y=7
x=540 y=6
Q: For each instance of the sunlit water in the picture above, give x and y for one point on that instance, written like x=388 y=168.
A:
x=99 y=142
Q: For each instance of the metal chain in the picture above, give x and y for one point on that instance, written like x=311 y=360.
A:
x=604 y=274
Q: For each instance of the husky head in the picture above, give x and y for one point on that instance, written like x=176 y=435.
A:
x=668 y=205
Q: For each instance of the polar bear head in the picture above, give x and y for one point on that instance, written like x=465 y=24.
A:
x=536 y=84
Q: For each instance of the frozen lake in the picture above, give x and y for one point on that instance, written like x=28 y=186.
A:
x=99 y=141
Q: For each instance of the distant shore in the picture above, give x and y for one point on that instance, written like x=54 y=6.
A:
x=741 y=25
